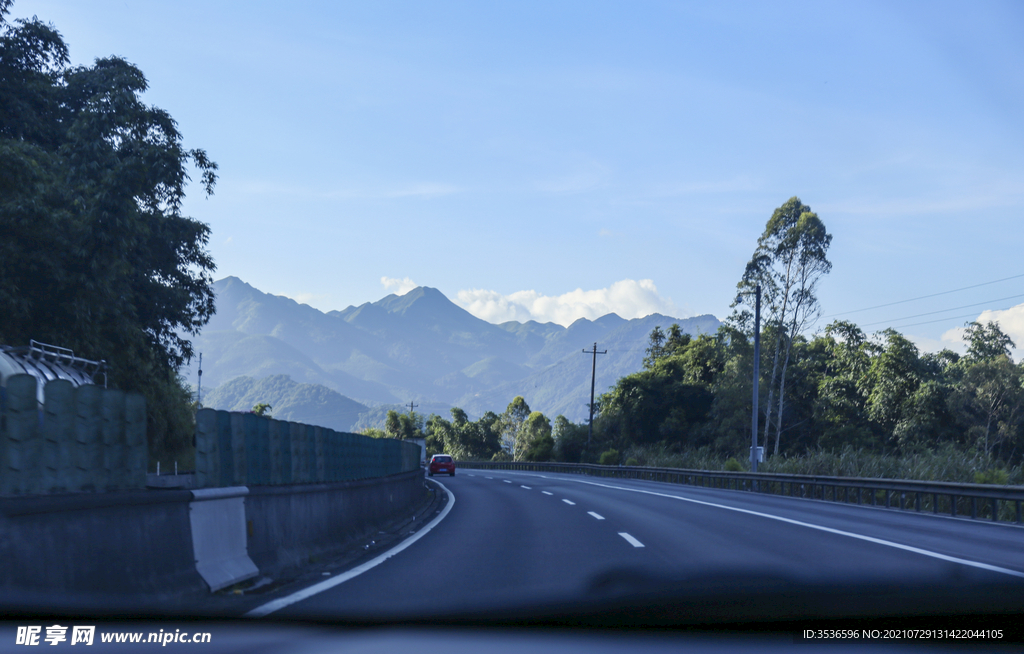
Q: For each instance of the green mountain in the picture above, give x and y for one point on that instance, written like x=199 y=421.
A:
x=419 y=347
x=312 y=404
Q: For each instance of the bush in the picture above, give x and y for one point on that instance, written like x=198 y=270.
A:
x=609 y=458
x=631 y=461
x=732 y=465
x=996 y=476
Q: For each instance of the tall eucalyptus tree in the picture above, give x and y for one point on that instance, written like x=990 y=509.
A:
x=789 y=261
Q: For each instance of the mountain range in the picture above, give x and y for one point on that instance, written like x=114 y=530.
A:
x=418 y=347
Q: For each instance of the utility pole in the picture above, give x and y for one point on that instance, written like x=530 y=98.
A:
x=411 y=407
x=757 y=376
x=593 y=376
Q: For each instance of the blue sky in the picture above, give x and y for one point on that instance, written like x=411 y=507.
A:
x=558 y=160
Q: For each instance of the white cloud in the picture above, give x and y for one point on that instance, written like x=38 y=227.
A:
x=627 y=298
x=1011 y=321
x=402 y=286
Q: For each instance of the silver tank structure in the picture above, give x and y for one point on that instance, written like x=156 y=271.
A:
x=46 y=363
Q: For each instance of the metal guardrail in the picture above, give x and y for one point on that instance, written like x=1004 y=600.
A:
x=976 y=501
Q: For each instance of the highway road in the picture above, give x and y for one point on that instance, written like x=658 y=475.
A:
x=518 y=538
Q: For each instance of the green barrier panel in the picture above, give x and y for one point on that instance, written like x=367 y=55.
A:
x=226 y=471
x=286 y=452
x=58 y=436
x=88 y=455
x=263 y=445
x=250 y=436
x=21 y=448
x=114 y=443
x=274 y=450
x=207 y=449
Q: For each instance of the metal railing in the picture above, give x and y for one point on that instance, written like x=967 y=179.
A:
x=976 y=501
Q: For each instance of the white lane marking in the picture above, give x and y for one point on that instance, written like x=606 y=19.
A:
x=493 y=477
x=830 y=530
x=508 y=482
x=569 y=503
x=547 y=493
x=599 y=517
x=526 y=487
x=629 y=539
x=315 y=589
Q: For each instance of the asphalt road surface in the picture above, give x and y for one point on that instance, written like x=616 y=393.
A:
x=514 y=538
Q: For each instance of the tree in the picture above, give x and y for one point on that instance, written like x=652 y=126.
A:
x=403 y=425
x=262 y=409
x=570 y=440
x=536 y=436
x=655 y=348
x=95 y=254
x=986 y=342
x=663 y=403
x=840 y=408
x=510 y=425
x=891 y=380
x=990 y=400
x=790 y=259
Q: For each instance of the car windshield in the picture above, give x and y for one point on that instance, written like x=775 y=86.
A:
x=658 y=313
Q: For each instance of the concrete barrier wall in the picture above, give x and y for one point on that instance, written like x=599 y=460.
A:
x=304 y=491
x=292 y=523
x=118 y=543
x=84 y=438
x=142 y=544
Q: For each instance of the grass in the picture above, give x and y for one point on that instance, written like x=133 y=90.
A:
x=946 y=463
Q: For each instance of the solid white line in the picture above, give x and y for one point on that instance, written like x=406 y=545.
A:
x=599 y=517
x=569 y=503
x=839 y=532
x=315 y=589
x=526 y=487
x=632 y=541
x=547 y=493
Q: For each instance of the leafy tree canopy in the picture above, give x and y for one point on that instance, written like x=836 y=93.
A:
x=95 y=254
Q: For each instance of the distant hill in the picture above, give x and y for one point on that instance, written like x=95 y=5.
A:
x=421 y=347
x=312 y=404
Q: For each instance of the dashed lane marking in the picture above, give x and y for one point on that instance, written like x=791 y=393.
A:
x=526 y=487
x=629 y=539
x=599 y=517
x=800 y=523
x=569 y=503
x=547 y=493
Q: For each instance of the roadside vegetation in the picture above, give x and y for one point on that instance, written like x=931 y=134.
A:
x=95 y=254
x=838 y=402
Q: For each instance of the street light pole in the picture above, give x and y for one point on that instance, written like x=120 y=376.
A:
x=757 y=376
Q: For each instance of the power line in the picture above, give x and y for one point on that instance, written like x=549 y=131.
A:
x=929 y=322
x=932 y=313
x=923 y=297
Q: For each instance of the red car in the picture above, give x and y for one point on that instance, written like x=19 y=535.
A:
x=441 y=463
